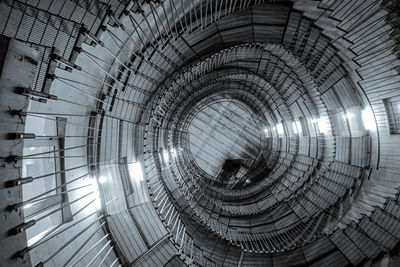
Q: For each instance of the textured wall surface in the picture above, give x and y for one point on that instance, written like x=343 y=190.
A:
x=200 y=133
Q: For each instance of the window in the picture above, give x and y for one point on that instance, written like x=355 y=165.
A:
x=304 y=126
x=354 y=118
x=341 y=124
x=46 y=156
x=349 y=122
x=126 y=183
x=392 y=107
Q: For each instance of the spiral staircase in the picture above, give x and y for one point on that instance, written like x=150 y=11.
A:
x=200 y=133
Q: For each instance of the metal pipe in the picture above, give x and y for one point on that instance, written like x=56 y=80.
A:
x=52 y=234
x=115 y=261
x=88 y=251
x=105 y=257
x=98 y=253
x=69 y=242
x=58 y=150
x=69 y=204
x=37 y=201
x=20 y=204
x=151 y=248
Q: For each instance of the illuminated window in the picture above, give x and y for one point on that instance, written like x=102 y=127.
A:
x=103 y=179
x=173 y=152
x=165 y=156
x=136 y=171
x=351 y=122
x=279 y=129
x=303 y=126
x=266 y=132
x=297 y=127
x=354 y=118
x=46 y=156
x=393 y=114
x=125 y=173
x=323 y=124
x=368 y=119
x=341 y=124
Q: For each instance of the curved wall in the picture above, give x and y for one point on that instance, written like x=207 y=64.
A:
x=110 y=175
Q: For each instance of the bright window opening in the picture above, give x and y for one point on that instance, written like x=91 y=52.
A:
x=324 y=126
x=135 y=171
x=279 y=129
x=297 y=127
x=266 y=131
x=166 y=156
x=368 y=119
x=103 y=179
x=173 y=152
